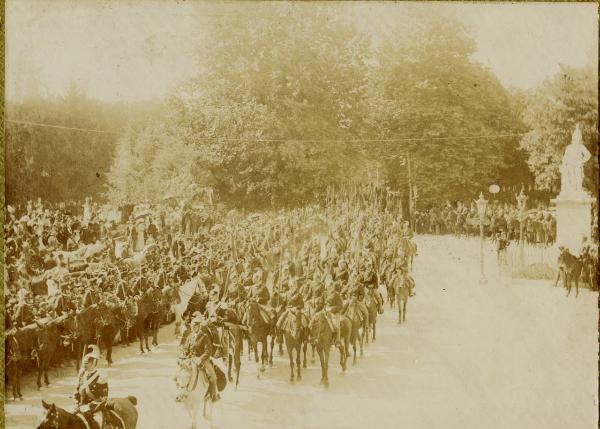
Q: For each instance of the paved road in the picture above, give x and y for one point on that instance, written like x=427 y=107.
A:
x=510 y=353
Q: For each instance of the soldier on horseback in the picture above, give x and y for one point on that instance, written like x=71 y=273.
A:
x=199 y=347
x=258 y=292
x=333 y=310
x=295 y=304
x=92 y=389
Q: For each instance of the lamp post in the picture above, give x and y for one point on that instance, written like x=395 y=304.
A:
x=521 y=204
x=481 y=206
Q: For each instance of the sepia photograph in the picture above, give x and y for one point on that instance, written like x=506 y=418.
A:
x=309 y=215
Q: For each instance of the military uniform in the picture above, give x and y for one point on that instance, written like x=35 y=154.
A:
x=199 y=345
x=91 y=394
x=295 y=303
x=333 y=311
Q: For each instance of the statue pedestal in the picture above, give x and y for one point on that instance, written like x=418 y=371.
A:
x=573 y=220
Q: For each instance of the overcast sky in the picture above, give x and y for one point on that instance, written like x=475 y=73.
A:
x=137 y=50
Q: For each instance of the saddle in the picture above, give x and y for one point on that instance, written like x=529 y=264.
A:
x=290 y=320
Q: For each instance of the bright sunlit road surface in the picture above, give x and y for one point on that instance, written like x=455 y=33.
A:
x=508 y=354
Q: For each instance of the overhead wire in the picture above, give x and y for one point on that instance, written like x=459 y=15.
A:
x=281 y=140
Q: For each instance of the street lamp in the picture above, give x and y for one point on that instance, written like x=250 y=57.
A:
x=521 y=204
x=481 y=206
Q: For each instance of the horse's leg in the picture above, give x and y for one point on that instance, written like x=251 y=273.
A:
x=404 y=310
x=270 y=355
x=264 y=355
x=577 y=285
x=40 y=362
x=46 y=366
x=109 y=345
x=399 y=305
x=322 y=362
x=361 y=342
x=255 y=347
x=290 y=351
x=305 y=347
x=139 y=331
x=373 y=327
x=343 y=354
x=280 y=342
x=326 y=357
x=146 y=325
x=18 y=372
x=154 y=328
x=237 y=361
x=299 y=358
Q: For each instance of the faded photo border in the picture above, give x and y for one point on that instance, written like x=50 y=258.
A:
x=2 y=154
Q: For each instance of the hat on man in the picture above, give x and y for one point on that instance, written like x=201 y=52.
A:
x=94 y=353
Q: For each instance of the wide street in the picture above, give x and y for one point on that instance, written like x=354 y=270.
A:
x=507 y=354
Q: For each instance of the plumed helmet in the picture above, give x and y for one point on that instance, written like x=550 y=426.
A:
x=93 y=353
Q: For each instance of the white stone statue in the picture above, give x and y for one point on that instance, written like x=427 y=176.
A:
x=571 y=169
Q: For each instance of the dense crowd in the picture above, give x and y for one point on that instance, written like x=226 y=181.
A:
x=66 y=264
x=461 y=219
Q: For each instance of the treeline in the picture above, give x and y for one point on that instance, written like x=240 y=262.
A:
x=59 y=163
x=299 y=97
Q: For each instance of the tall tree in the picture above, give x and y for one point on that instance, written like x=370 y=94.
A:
x=429 y=91
x=294 y=73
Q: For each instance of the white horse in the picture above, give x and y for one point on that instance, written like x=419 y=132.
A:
x=193 y=389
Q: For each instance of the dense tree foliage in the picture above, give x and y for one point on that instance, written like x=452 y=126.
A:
x=429 y=92
x=551 y=113
x=58 y=164
x=299 y=97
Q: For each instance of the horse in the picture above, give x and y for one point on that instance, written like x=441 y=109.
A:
x=157 y=315
x=45 y=349
x=276 y=304
x=569 y=267
x=402 y=292
x=374 y=307
x=357 y=323
x=120 y=413
x=143 y=307
x=295 y=330
x=259 y=331
x=189 y=393
x=232 y=342
x=86 y=332
x=322 y=336
x=13 y=365
x=107 y=329
x=125 y=315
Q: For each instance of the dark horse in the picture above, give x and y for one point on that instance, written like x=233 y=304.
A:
x=231 y=340
x=322 y=336
x=374 y=307
x=82 y=331
x=259 y=331
x=13 y=364
x=107 y=328
x=295 y=329
x=47 y=344
x=117 y=410
x=569 y=268
x=143 y=319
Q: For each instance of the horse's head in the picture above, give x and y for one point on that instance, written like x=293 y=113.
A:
x=253 y=311
x=52 y=418
x=184 y=378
